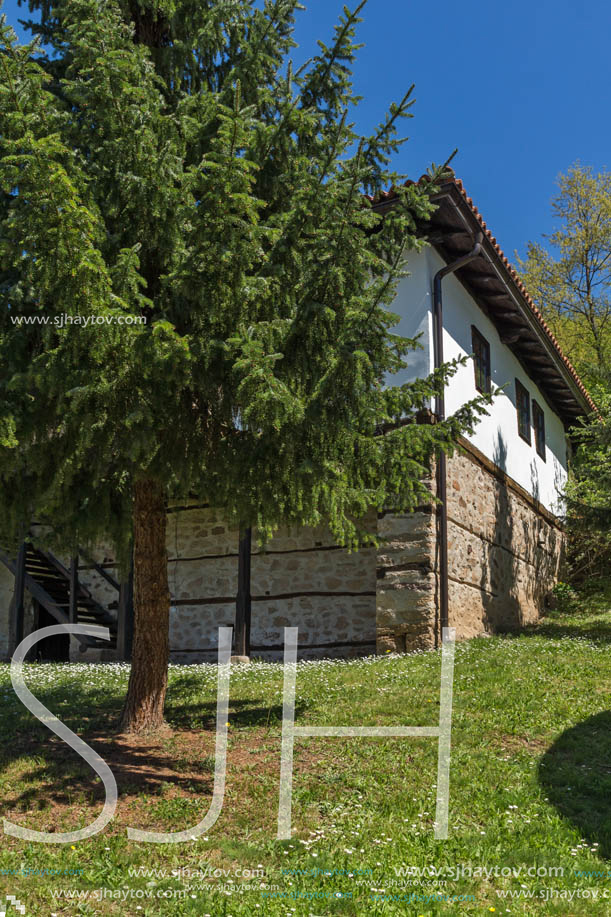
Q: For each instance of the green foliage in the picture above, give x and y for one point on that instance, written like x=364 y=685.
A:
x=166 y=173
x=589 y=496
x=571 y=284
x=565 y=596
x=588 y=603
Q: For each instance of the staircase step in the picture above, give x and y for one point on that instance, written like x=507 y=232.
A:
x=53 y=592
x=93 y=623
x=45 y=576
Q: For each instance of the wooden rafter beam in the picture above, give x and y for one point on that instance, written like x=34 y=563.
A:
x=511 y=337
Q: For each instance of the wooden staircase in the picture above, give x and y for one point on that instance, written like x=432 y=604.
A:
x=54 y=579
x=58 y=590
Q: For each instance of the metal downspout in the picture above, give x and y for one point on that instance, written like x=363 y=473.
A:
x=441 y=477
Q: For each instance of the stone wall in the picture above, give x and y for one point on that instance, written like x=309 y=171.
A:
x=299 y=579
x=406 y=581
x=504 y=555
x=504 y=550
x=7 y=636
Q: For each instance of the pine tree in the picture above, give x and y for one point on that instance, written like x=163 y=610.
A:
x=168 y=176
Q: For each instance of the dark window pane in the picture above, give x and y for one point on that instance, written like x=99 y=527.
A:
x=523 y=411
x=481 y=360
x=539 y=425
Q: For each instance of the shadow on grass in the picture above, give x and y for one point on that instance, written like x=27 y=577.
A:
x=587 y=626
x=589 y=629
x=576 y=774
x=52 y=774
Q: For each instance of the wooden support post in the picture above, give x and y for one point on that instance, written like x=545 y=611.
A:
x=19 y=599
x=73 y=606
x=243 y=598
x=125 y=621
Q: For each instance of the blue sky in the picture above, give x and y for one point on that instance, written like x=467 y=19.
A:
x=520 y=88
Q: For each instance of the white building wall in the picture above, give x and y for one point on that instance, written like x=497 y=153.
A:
x=496 y=435
x=413 y=306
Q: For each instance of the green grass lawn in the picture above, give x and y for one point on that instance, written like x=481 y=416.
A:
x=530 y=787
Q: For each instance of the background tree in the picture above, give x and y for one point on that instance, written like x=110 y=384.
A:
x=589 y=498
x=164 y=163
x=571 y=285
x=571 y=282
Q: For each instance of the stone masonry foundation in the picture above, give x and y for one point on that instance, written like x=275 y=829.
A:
x=504 y=557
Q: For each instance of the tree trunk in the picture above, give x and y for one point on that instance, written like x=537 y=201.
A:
x=148 y=681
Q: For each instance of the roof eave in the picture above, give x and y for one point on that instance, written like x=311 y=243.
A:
x=496 y=287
